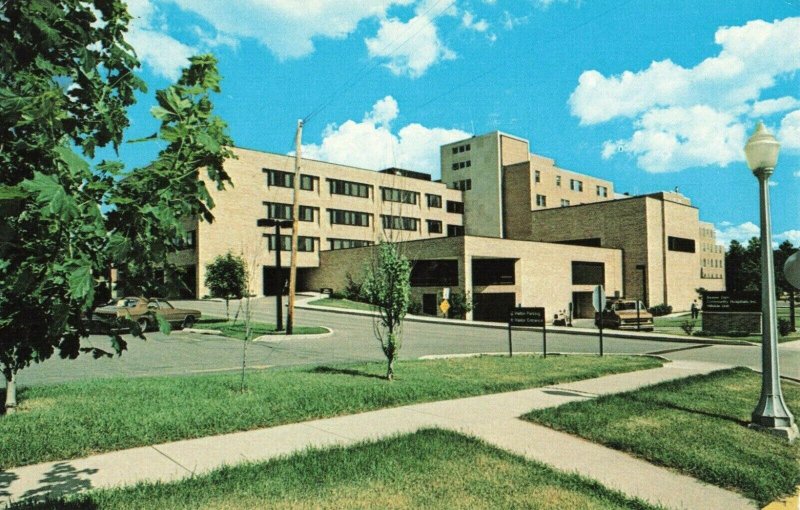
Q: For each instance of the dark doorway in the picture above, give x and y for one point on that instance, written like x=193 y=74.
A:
x=429 y=304
x=274 y=281
x=493 y=307
x=582 y=305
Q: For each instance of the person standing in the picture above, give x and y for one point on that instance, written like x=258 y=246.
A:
x=695 y=310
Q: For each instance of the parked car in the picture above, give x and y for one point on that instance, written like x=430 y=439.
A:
x=621 y=314
x=144 y=311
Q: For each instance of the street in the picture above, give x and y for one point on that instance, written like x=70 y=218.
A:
x=353 y=340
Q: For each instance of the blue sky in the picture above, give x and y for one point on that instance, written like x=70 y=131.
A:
x=649 y=94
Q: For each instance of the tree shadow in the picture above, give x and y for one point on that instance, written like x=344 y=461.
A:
x=676 y=407
x=62 y=480
x=6 y=478
x=346 y=371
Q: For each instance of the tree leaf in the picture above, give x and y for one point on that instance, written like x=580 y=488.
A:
x=81 y=283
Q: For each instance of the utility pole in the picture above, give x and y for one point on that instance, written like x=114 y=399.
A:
x=295 y=213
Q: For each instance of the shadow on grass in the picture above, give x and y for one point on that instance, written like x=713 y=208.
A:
x=345 y=371
x=676 y=407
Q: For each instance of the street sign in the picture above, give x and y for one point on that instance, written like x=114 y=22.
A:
x=446 y=293
x=526 y=317
x=444 y=306
x=598 y=298
x=791 y=269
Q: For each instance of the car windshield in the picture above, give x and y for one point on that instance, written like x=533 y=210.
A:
x=626 y=306
x=166 y=304
x=127 y=302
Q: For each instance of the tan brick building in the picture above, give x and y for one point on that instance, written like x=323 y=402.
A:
x=505 y=225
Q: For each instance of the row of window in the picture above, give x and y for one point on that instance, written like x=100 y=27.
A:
x=712 y=263
x=541 y=201
x=463 y=185
x=574 y=184
x=308 y=244
x=461 y=148
x=460 y=165
x=343 y=217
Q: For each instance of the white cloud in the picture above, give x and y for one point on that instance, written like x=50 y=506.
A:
x=286 y=28
x=796 y=173
x=789 y=133
x=770 y=106
x=674 y=138
x=410 y=48
x=741 y=233
x=468 y=20
x=147 y=33
x=725 y=89
x=372 y=144
x=510 y=22
x=790 y=235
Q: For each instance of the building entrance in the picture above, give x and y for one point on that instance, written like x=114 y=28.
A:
x=582 y=305
x=493 y=307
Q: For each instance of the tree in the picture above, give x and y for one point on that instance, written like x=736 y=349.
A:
x=387 y=285
x=226 y=278
x=66 y=81
x=742 y=266
x=784 y=251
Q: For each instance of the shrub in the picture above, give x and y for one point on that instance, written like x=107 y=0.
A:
x=687 y=327
x=353 y=290
x=659 y=310
x=338 y=295
x=784 y=326
x=415 y=308
x=702 y=333
x=460 y=304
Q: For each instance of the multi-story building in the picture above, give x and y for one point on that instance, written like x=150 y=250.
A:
x=340 y=207
x=504 y=225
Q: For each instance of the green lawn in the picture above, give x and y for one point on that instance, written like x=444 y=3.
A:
x=343 y=303
x=236 y=330
x=81 y=418
x=672 y=326
x=429 y=469
x=697 y=426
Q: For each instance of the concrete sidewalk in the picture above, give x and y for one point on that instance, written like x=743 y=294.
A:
x=492 y=418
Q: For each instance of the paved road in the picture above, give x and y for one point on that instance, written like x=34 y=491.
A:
x=353 y=340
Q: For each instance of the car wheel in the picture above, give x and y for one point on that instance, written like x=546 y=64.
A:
x=143 y=323
x=188 y=322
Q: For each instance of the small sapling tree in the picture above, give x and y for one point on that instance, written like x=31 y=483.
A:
x=226 y=278
x=388 y=286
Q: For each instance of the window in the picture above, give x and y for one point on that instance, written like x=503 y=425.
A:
x=558 y=181
x=307 y=213
x=541 y=200
x=462 y=164
x=455 y=207
x=537 y=176
x=434 y=273
x=564 y=203
x=455 y=166
x=188 y=241
x=400 y=195
x=303 y=243
x=493 y=271
x=463 y=185
x=680 y=244
x=341 y=244
x=353 y=189
x=575 y=185
x=354 y=218
x=434 y=200
x=277 y=211
x=455 y=150
x=455 y=230
x=602 y=191
x=588 y=273
x=399 y=222
x=286 y=179
x=434 y=227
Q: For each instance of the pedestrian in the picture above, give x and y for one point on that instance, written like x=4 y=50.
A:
x=695 y=310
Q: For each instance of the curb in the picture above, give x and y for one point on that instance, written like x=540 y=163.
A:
x=558 y=329
x=284 y=337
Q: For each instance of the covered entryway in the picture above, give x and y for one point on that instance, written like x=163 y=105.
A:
x=493 y=307
x=275 y=281
x=582 y=307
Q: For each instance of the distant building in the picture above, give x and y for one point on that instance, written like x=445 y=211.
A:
x=504 y=225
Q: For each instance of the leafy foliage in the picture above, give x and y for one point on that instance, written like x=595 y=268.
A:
x=66 y=81
x=226 y=278
x=460 y=304
x=659 y=310
x=388 y=287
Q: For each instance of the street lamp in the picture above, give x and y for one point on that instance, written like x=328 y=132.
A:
x=771 y=413
x=268 y=222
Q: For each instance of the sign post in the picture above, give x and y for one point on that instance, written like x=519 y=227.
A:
x=599 y=301
x=527 y=317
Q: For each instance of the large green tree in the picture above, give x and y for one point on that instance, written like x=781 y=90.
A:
x=67 y=77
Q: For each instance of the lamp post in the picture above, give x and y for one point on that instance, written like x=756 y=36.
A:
x=268 y=222
x=771 y=413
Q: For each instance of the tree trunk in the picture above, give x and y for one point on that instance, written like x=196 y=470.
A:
x=11 y=393
x=390 y=369
x=791 y=311
x=227 y=313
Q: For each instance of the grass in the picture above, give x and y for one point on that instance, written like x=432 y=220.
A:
x=343 y=303
x=696 y=425
x=672 y=326
x=82 y=418
x=236 y=330
x=429 y=469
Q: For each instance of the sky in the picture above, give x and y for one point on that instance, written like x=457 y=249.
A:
x=653 y=95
